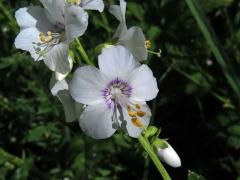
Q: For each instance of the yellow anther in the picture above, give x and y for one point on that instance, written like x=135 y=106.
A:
x=138 y=106
x=132 y=113
x=49 y=33
x=48 y=38
x=148 y=44
x=136 y=122
x=141 y=113
x=42 y=38
x=41 y=34
x=74 y=2
x=129 y=108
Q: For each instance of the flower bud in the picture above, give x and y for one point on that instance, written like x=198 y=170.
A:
x=169 y=156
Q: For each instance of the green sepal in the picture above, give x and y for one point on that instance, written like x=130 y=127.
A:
x=150 y=131
x=100 y=47
x=159 y=144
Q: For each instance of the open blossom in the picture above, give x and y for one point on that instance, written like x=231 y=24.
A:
x=133 y=39
x=115 y=94
x=46 y=32
x=169 y=156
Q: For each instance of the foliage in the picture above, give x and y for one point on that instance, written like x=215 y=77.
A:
x=197 y=107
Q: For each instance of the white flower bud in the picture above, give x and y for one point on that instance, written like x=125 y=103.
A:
x=169 y=156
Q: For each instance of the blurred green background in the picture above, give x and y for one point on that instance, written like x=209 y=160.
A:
x=198 y=105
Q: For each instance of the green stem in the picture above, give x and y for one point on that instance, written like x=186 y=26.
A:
x=147 y=146
x=9 y=16
x=83 y=52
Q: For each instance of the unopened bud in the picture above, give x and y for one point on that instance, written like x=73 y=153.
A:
x=169 y=156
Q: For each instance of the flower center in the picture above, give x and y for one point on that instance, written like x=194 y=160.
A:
x=47 y=41
x=74 y=2
x=116 y=92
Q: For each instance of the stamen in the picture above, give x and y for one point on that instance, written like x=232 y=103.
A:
x=132 y=113
x=137 y=122
x=148 y=44
x=141 y=113
x=74 y=2
x=138 y=106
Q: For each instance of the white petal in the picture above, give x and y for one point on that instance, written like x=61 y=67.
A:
x=72 y=109
x=144 y=84
x=54 y=10
x=32 y=16
x=119 y=10
x=134 y=41
x=125 y=121
x=93 y=5
x=60 y=76
x=96 y=121
x=169 y=156
x=57 y=58
x=121 y=30
x=76 y=22
x=87 y=84
x=27 y=40
x=116 y=61
x=57 y=86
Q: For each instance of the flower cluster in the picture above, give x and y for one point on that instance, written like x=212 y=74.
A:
x=104 y=99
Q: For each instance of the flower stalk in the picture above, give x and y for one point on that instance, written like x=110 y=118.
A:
x=83 y=53
x=148 y=148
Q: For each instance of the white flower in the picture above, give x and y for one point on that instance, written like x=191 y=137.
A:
x=46 y=32
x=115 y=94
x=169 y=156
x=88 y=4
x=133 y=39
x=60 y=89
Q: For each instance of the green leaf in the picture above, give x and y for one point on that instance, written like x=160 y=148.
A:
x=194 y=176
x=214 y=44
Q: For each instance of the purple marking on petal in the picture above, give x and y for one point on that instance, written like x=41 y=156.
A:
x=60 y=25
x=109 y=92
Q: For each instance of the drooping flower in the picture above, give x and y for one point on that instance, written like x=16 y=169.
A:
x=169 y=156
x=47 y=32
x=133 y=38
x=60 y=89
x=115 y=94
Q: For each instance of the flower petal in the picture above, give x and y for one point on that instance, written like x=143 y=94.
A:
x=134 y=41
x=32 y=16
x=71 y=108
x=76 y=22
x=60 y=76
x=96 y=121
x=118 y=11
x=126 y=123
x=54 y=10
x=27 y=40
x=93 y=5
x=144 y=84
x=116 y=61
x=57 y=58
x=87 y=84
